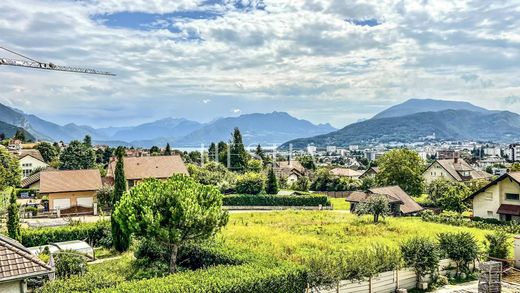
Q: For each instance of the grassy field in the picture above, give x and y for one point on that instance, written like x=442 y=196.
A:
x=339 y=204
x=296 y=235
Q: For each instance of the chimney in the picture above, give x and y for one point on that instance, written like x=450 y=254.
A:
x=455 y=160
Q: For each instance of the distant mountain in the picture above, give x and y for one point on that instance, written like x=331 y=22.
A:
x=275 y=127
x=10 y=130
x=168 y=127
x=413 y=106
x=499 y=126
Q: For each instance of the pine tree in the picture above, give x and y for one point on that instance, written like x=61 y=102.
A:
x=20 y=135
x=223 y=153
x=87 y=141
x=212 y=151
x=13 y=218
x=272 y=182
x=239 y=156
x=167 y=150
x=120 y=240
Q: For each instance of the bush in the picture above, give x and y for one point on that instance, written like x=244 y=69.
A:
x=498 y=244
x=460 y=247
x=26 y=192
x=94 y=233
x=275 y=200
x=69 y=263
x=250 y=183
x=422 y=254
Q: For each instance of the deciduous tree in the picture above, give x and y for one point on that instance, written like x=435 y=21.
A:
x=401 y=167
x=376 y=205
x=77 y=156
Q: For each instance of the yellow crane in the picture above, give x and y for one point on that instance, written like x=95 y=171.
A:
x=31 y=63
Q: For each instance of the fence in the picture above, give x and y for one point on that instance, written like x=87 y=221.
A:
x=386 y=282
x=335 y=194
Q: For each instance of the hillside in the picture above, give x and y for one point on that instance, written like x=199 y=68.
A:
x=168 y=127
x=449 y=124
x=414 y=106
x=10 y=130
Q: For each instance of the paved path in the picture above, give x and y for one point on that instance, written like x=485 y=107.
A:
x=472 y=287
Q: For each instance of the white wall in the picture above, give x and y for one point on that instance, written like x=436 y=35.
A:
x=436 y=171
x=11 y=287
x=28 y=164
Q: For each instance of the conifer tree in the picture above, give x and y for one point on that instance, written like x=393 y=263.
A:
x=168 y=150
x=13 y=218
x=272 y=182
x=120 y=240
x=239 y=156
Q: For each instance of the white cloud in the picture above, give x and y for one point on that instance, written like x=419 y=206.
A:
x=300 y=56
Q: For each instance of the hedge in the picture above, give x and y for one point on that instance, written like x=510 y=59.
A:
x=275 y=200
x=456 y=219
x=96 y=234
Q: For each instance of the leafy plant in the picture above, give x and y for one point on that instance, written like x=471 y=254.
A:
x=250 y=183
x=376 y=205
x=422 y=254
x=461 y=247
x=498 y=244
x=69 y=263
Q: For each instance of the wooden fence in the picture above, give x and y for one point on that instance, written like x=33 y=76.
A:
x=385 y=282
x=335 y=194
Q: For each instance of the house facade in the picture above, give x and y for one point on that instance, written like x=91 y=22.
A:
x=455 y=169
x=401 y=203
x=500 y=199
x=71 y=189
x=289 y=170
x=30 y=160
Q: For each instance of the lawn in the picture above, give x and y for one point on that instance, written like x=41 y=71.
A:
x=339 y=204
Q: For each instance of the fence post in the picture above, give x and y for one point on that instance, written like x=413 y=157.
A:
x=337 y=287
x=396 y=279
x=370 y=285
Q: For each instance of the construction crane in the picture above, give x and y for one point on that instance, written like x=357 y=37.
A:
x=31 y=63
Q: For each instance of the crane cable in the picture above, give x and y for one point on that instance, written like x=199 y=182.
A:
x=23 y=56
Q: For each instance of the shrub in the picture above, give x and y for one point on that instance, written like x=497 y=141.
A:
x=376 y=205
x=498 y=244
x=275 y=200
x=94 y=233
x=302 y=184
x=250 y=183
x=422 y=254
x=69 y=263
x=460 y=247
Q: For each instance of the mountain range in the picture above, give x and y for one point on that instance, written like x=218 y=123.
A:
x=420 y=119
x=268 y=128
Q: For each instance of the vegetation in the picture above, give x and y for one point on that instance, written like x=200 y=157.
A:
x=250 y=183
x=70 y=263
x=239 y=156
x=105 y=196
x=78 y=155
x=339 y=203
x=13 y=218
x=401 y=167
x=48 y=151
x=448 y=195
x=498 y=244
x=171 y=212
x=460 y=247
x=422 y=254
x=121 y=239
x=272 y=182
x=307 y=162
x=376 y=205
x=275 y=200
x=302 y=184
x=324 y=181
x=214 y=174
x=10 y=172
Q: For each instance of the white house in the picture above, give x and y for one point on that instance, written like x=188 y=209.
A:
x=452 y=169
x=500 y=199
x=30 y=160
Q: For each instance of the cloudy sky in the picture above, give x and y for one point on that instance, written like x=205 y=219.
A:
x=322 y=60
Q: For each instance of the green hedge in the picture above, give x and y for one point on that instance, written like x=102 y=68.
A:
x=456 y=219
x=31 y=192
x=275 y=200
x=96 y=234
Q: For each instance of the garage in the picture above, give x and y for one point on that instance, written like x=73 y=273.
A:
x=62 y=203
x=86 y=202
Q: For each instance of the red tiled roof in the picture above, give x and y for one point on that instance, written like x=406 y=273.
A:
x=16 y=262
x=69 y=180
x=160 y=167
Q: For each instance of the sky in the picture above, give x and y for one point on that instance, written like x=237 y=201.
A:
x=321 y=60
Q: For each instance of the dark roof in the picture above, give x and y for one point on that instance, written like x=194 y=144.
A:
x=509 y=209
x=17 y=262
x=369 y=171
x=454 y=166
x=394 y=194
x=515 y=176
x=160 y=167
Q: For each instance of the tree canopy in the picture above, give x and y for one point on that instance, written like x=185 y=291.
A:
x=401 y=167
x=171 y=212
x=48 y=151
x=10 y=171
x=78 y=155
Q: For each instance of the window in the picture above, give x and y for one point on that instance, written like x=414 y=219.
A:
x=490 y=213
x=488 y=195
x=26 y=172
x=512 y=196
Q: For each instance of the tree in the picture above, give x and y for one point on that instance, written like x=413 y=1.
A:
x=255 y=165
x=105 y=196
x=20 y=135
x=2 y=136
x=250 y=183
x=167 y=150
x=214 y=174
x=171 y=212
x=87 y=141
x=212 y=151
x=448 y=195
x=120 y=238
x=222 y=149
x=461 y=247
x=515 y=167
x=422 y=254
x=13 y=218
x=77 y=156
x=259 y=152
x=272 y=182
x=401 y=167
x=302 y=184
x=154 y=150
x=367 y=182
x=48 y=151
x=10 y=171
x=307 y=162
x=498 y=244
x=376 y=205
x=239 y=156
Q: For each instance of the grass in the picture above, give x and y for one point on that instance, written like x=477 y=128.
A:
x=296 y=235
x=339 y=204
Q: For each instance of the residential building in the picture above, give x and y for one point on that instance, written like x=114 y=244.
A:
x=311 y=149
x=513 y=152
x=447 y=154
x=71 y=190
x=345 y=172
x=289 y=170
x=17 y=264
x=33 y=181
x=139 y=168
x=372 y=171
x=452 y=169
x=331 y=149
x=30 y=160
x=400 y=202
x=500 y=199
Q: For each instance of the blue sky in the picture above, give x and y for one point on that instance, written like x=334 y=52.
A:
x=323 y=60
